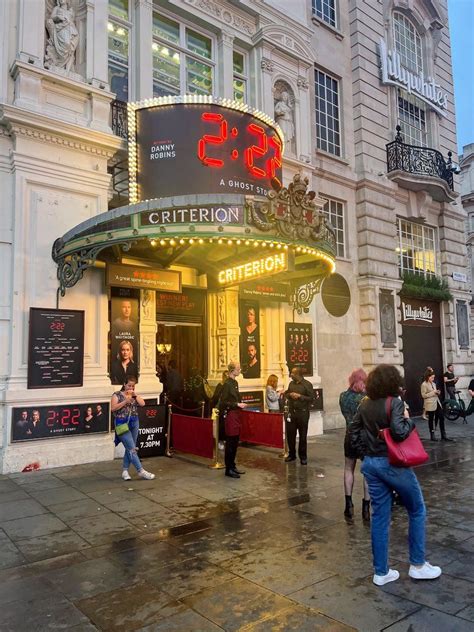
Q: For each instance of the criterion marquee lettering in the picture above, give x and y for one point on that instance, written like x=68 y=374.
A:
x=263 y=266
x=425 y=88
x=199 y=215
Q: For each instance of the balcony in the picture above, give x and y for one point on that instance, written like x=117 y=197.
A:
x=119 y=120
x=420 y=169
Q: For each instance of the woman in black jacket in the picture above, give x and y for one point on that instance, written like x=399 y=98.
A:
x=383 y=408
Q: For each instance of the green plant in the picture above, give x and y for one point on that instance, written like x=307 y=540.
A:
x=431 y=287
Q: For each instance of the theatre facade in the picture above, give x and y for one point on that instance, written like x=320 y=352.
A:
x=190 y=183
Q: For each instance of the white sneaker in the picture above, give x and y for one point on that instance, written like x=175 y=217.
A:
x=221 y=445
x=391 y=576
x=126 y=476
x=425 y=572
x=146 y=475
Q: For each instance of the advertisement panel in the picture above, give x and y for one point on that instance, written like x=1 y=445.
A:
x=249 y=315
x=124 y=340
x=152 y=433
x=299 y=347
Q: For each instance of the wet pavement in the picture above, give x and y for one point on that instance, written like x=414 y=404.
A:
x=82 y=550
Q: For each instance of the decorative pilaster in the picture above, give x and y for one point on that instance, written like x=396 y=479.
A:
x=225 y=46
x=97 y=44
x=31 y=13
x=224 y=330
x=148 y=379
x=144 y=59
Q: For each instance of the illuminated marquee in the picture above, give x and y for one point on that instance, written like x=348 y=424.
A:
x=263 y=266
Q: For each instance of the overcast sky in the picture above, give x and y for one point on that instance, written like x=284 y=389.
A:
x=461 y=21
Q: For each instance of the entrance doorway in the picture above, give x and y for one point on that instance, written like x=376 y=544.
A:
x=421 y=332
x=183 y=344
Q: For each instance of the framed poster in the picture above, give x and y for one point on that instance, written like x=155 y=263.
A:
x=249 y=315
x=124 y=340
x=318 y=401
x=254 y=400
x=299 y=347
x=66 y=420
x=55 y=348
x=152 y=433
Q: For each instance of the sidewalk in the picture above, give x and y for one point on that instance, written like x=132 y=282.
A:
x=192 y=550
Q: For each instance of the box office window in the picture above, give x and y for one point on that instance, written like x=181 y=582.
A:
x=416 y=248
x=182 y=58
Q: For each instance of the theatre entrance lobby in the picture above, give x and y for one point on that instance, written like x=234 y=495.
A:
x=83 y=550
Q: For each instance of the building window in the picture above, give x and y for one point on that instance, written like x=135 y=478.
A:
x=325 y=10
x=412 y=119
x=334 y=211
x=407 y=43
x=240 y=77
x=119 y=29
x=416 y=248
x=327 y=113
x=182 y=59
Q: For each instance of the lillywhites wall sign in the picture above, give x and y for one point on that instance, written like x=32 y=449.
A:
x=196 y=215
x=264 y=266
x=424 y=313
x=426 y=89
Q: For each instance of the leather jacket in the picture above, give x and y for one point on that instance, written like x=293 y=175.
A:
x=363 y=431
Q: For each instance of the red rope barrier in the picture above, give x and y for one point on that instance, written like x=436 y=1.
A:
x=262 y=428
x=192 y=435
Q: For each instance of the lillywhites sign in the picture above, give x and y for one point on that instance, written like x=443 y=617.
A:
x=264 y=266
x=424 y=313
x=395 y=74
x=197 y=215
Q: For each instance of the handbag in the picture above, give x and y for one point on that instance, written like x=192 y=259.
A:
x=122 y=427
x=406 y=453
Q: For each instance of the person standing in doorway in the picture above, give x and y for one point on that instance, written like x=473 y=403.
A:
x=230 y=405
x=430 y=394
x=450 y=381
x=299 y=396
x=349 y=401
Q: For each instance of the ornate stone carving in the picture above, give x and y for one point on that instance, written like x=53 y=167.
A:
x=266 y=65
x=293 y=213
x=303 y=295
x=59 y=140
x=285 y=112
x=222 y=352
x=147 y=304
x=148 y=340
x=63 y=37
x=301 y=82
x=211 y=8
x=233 y=348
x=221 y=309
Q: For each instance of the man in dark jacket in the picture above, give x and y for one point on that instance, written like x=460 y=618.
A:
x=299 y=395
x=230 y=405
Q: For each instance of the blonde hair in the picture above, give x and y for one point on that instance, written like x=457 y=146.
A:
x=272 y=380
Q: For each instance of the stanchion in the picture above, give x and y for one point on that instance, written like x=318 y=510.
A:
x=285 y=452
x=168 y=434
x=216 y=465
x=202 y=409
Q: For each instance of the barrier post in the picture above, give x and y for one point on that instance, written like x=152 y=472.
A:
x=168 y=434
x=216 y=465
x=203 y=403
x=285 y=452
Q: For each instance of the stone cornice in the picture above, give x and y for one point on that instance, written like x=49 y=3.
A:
x=20 y=122
x=224 y=14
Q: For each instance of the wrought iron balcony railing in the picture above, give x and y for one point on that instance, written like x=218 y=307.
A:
x=119 y=120
x=421 y=161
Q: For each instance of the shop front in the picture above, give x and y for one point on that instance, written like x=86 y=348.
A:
x=213 y=260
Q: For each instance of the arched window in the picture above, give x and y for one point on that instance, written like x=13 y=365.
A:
x=407 y=43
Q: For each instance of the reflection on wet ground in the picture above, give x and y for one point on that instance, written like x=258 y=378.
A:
x=81 y=550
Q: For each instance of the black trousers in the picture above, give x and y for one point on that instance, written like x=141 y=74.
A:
x=435 y=416
x=231 y=445
x=299 y=422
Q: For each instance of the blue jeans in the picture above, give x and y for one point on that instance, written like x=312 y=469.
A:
x=382 y=478
x=129 y=440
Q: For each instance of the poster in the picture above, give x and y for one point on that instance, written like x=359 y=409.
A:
x=55 y=348
x=249 y=339
x=253 y=399
x=48 y=422
x=299 y=347
x=124 y=340
x=318 y=401
x=152 y=433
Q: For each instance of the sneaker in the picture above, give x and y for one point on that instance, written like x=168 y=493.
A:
x=126 y=476
x=425 y=572
x=146 y=475
x=221 y=445
x=391 y=576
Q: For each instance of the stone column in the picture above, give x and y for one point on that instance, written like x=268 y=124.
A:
x=224 y=330
x=148 y=380
x=96 y=44
x=225 y=48
x=143 y=60
x=31 y=13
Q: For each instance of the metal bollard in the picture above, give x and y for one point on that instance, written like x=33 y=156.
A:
x=284 y=454
x=168 y=433
x=216 y=465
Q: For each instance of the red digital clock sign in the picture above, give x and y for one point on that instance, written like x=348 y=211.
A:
x=190 y=148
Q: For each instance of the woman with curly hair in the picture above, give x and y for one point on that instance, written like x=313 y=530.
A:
x=383 y=408
x=349 y=401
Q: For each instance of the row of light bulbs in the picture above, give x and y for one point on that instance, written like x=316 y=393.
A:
x=247 y=242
